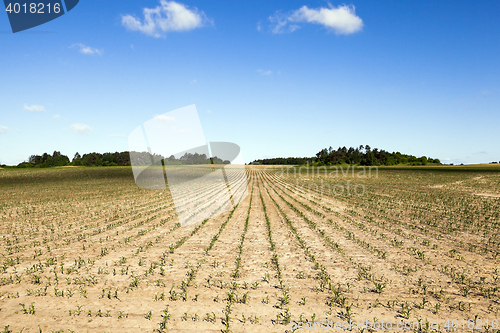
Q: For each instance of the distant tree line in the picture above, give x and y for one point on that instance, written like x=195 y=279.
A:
x=98 y=159
x=45 y=160
x=365 y=155
x=115 y=159
x=186 y=159
x=195 y=158
x=362 y=155
x=283 y=161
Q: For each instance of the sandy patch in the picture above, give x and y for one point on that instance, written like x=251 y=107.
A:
x=489 y=195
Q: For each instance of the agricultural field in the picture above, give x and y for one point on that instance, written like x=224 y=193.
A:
x=86 y=249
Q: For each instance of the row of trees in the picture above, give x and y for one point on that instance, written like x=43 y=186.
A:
x=362 y=155
x=115 y=159
x=365 y=155
x=283 y=161
x=195 y=158
x=98 y=159
x=45 y=160
x=186 y=159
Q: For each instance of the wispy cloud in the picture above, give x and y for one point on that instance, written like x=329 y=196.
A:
x=3 y=129
x=281 y=23
x=81 y=128
x=34 y=108
x=263 y=72
x=84 y=49
x=164 y=118
x=117 y=136
x=168 y=16
x=56 y=116
x=342 y=19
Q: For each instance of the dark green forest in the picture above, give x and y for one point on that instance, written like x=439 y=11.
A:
x=362 y=155
x=283 y=161
x=115 y=159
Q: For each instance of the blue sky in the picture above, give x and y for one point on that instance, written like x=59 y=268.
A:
x=279 y=78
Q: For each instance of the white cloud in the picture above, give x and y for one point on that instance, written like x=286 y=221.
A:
x=81 y=128
x=168 y=16
x=117 y=136
x=34 y=108
x=263 y=72
x=194 y=81
x=84 y=49
x=342 y=19
x=164 y=118
x=56 y=116
x=3 y=129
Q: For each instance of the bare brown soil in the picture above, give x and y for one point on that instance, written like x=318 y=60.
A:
x=87 y=250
